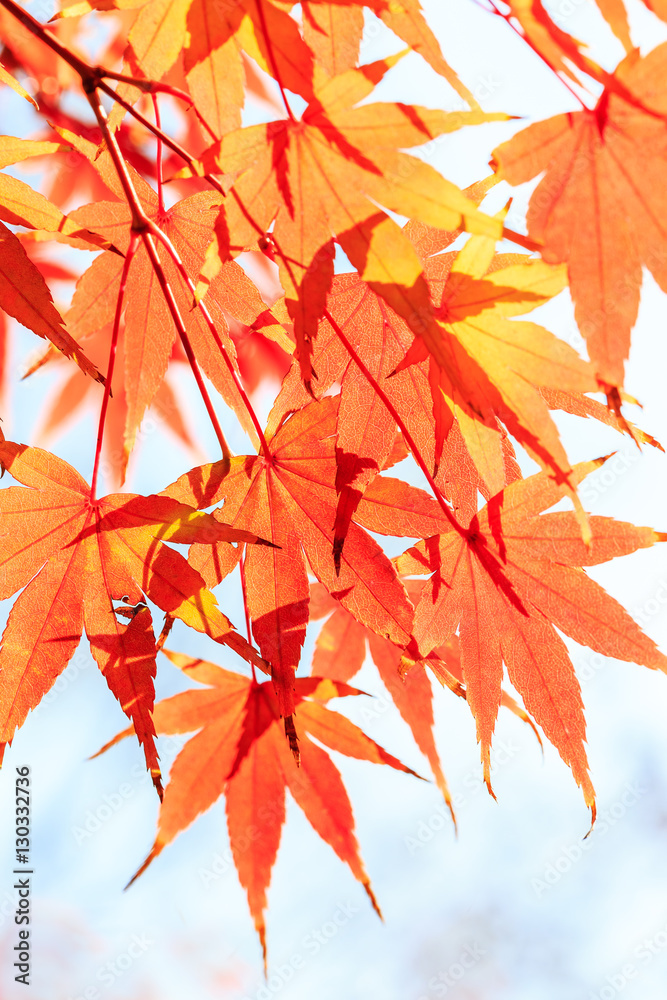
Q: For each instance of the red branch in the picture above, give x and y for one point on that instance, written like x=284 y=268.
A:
x=132 y=249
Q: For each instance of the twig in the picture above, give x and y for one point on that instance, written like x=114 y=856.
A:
x=203 y=308
x=132 y=249
x=158 y=160
x=245 y=608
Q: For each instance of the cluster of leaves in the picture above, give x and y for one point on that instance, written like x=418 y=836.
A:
x=216 y=247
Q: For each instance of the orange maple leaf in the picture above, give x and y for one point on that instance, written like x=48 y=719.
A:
x=601 y=202
x=75 y=558
x=334 y=166
x=505 y=583
x=149 y=330
x=25 y=295
x=290 y=495
x=483 y=368
x=340 y=650
x=240 y=751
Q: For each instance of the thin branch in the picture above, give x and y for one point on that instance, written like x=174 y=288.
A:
x=174 y=146
x=245 y=608
x=141 y=224
x=139 y=220
x=185 y=340
x=509 y=21
x=158 y=161
x=47 y=36
x=203 y=308
x=153 y=87
x=132 y=249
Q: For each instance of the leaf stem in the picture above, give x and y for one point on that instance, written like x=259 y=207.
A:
x=508 y=20
x=138 y=215
x=373 y=382
x=154 y=87
x=245 y=609
x=142 y=225
x=203 y=308
x=132 y=249
x=158 y=159
x=410 y=441
x=185 y=340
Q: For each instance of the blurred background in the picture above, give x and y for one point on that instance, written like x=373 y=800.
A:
x=517 y=906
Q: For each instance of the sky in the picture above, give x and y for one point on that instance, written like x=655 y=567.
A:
x=518 y=905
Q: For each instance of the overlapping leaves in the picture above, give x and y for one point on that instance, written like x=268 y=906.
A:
x=240 y=751
x=422 y=349
x=504 y=583
x=75 y=557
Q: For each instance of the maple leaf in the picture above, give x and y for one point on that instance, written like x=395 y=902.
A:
x=289 y=497
x=505 y=582
x=212 y=36
x=149 y=330
x=340 y=650
x=25 y=295
x=333 y=34
x=239 y=751
x=483 y=367
x=73 y=392
x=558 y=49
x=600 y=203
x=334 y=166
x=75 y=557
x=486 y=367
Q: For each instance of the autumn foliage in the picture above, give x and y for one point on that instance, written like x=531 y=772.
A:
x=269 y=253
